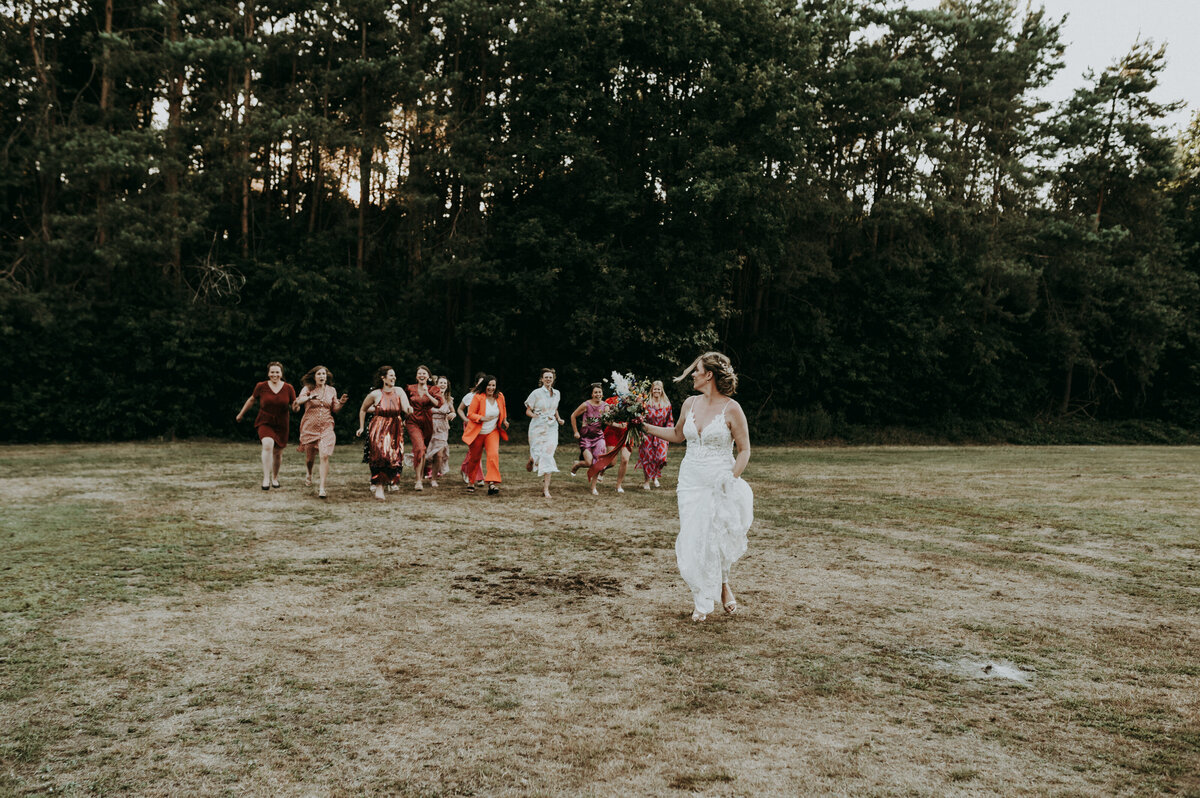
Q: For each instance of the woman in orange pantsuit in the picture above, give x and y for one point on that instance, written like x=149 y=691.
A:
x=487 y=423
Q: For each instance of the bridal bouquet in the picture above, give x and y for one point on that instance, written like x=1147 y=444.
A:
x=627 y=406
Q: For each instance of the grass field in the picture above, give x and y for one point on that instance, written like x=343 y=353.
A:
x=915 y=621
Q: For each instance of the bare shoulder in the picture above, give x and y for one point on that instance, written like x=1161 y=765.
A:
x=734 y=409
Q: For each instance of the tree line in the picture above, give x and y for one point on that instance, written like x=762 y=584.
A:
x=867 y=206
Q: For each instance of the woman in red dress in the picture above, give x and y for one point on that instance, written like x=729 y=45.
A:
x=385 y=452
x=419 y=423
x=274 y=397
x=612 y=435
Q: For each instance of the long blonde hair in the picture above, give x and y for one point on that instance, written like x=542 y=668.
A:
x=724 y=377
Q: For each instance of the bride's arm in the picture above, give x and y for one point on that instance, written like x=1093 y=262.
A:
x=671 y=434
x=740 y=429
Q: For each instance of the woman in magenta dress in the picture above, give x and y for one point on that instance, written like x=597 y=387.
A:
x=591 y=438
x=419 y=424
x=652 y=454
x=385 y=453
x=320 y=401
x=272 y=424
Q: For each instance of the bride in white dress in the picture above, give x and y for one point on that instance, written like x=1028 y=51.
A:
x=716 y=506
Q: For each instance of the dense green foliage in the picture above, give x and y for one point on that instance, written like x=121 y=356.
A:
x=866 y=206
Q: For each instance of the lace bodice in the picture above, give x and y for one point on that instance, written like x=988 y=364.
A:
x=714 y=440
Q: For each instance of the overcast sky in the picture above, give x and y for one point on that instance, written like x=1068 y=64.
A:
x=1098 y=32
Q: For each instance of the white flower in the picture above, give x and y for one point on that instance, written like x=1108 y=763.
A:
x=620 y=384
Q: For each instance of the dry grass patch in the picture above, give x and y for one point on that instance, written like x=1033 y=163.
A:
x=915 y=621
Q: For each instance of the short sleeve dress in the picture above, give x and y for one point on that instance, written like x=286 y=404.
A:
x=274 y=412
x=316 y=425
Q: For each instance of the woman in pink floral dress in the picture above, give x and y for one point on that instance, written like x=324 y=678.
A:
x=320 y=401
x=652 y=454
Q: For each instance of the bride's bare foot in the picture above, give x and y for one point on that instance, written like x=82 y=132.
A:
x=698 y=616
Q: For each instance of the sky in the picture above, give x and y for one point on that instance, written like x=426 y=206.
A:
x=1098 y=32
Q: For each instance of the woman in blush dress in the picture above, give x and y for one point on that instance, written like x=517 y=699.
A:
x=320 y=401
x=716 y=507
x=487 y=423
x=591 y=438
x=385 y=437
x=437 y=456
x=474 y=477
x=272 y=424
x=542 y=408
x=419 y=423
x=652 y=454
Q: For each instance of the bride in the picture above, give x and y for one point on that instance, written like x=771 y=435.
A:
x=716 y=507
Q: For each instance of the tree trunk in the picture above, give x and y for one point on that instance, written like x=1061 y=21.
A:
x=1066 y=397
x=365 y=155
x=174 y=156
x=106 y=83
x=248 y=30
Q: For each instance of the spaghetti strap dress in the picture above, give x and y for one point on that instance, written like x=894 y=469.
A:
x=385 y=435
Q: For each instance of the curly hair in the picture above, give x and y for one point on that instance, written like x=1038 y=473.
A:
x=724 y=377
x=309 y=380
x=380 y=373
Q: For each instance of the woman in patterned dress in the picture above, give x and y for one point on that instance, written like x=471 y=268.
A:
x=542 y=408
x=274 y=397
x=437 y=456
x=419 y=424
x=320 y=401
x=385 y=437
x=652 y=454
x=591 y=439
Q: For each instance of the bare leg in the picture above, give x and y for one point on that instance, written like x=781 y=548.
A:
x=309 y=457
x=419 y=467
x=587 y=461
x=546 y=485
x=324 y=471
x=268 y=458
x=621 y=469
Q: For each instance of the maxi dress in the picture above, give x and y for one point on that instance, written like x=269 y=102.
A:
x=419 y=423
x=437 y=456
x=543 y=429
x=652 y=454
x=715 y=510
x=385 y=439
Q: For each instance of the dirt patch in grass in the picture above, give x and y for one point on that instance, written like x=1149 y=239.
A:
x=169 y=628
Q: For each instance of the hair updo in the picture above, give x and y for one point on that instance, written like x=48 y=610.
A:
x=725 y=378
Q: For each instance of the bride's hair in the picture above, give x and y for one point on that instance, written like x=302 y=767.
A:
x=724 y=377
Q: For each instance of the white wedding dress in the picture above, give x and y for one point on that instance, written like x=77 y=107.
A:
x=715 y=510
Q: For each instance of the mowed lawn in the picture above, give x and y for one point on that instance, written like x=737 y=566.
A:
x=915 y=621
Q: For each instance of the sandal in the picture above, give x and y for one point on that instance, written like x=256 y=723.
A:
x=698 y=617
x=308 y=481
x=730 y=606
x=321 y=494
